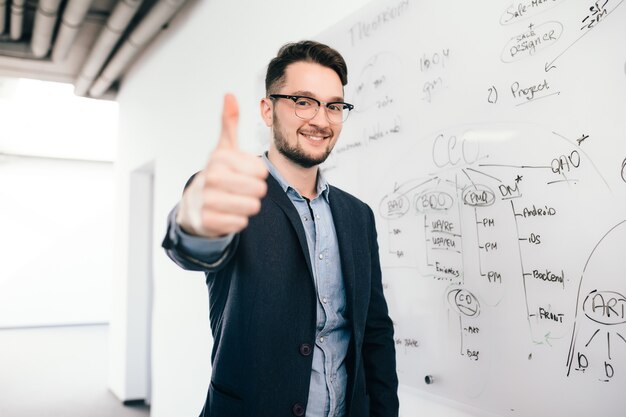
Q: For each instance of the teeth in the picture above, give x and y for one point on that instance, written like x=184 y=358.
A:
x=316 y=138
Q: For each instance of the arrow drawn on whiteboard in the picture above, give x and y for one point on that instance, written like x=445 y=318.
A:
x=549 y=65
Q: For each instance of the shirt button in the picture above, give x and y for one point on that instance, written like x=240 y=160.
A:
x=298 y=410
x=324 y=300
x=321 y=256
x=322 y=339
x=317 y=216
x=305 y=349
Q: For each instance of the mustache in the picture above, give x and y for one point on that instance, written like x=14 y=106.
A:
x=314 y=131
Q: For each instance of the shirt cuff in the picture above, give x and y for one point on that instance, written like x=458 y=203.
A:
x=199 y=247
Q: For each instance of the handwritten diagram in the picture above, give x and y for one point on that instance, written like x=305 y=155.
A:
x=598 y=344
x=489 y=144
x=473 y=213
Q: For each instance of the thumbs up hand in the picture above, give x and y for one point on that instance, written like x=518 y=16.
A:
x=222 y=197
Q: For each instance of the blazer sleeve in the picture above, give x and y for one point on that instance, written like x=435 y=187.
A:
x=379 y=353
x=209 y=262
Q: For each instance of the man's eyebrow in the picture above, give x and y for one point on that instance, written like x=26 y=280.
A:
x=312 y=95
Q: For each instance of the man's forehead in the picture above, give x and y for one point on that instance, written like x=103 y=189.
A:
x=313 y=78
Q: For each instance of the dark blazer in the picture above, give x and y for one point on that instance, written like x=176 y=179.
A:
x=262 y=305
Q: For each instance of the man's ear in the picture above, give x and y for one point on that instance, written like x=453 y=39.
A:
x=267 y=109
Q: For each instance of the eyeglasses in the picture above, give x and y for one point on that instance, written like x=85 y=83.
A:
x=307 y=107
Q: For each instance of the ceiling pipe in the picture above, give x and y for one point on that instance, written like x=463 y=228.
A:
x=73 y=17
x=3 y=12
x=45 y=19
x=160 y=14
x=115 y=26
x=17 y=19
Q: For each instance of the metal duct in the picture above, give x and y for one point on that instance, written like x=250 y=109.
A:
x=45 y=20
x=159 y=15
x=3 y=12
x=73 y=17
x=17 y=19
x=116 y=25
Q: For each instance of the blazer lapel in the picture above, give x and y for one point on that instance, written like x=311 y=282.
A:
x=343 y=226
x=278 y=196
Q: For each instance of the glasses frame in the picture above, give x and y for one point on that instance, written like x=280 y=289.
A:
x=295 y=98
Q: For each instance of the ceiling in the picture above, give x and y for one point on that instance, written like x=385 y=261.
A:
x=88 y=43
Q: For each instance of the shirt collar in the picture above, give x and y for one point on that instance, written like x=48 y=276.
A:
x=323 y=188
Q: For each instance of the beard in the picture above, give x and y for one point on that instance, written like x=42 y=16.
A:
x=295 y=153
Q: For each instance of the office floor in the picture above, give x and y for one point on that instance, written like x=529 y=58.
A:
x=58 y=372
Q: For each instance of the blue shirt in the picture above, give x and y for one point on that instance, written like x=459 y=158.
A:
x=327 y=392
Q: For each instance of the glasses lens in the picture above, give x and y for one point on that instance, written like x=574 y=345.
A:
x=337 y=112
x=334 y=112
x=306 y=108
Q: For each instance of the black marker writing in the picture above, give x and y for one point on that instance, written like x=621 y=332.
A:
x=528 y=92
x=524 y=9
x=363 y=30
x=582 y=139
x=436 y=59
x=529 y=42
x=597 y=12
x=492 y=97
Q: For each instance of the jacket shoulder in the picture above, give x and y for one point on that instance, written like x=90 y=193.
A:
x=348 y=199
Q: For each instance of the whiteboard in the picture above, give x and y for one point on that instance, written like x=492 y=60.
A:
x=490 y=140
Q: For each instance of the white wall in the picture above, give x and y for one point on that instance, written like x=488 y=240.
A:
x=169 y=113
x=56 y=219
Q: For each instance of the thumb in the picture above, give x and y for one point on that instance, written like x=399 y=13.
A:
x=230 y=119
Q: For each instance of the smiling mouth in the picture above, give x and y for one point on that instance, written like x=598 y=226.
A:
x=315 y=137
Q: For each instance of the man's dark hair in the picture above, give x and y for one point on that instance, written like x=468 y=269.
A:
x=307 y=51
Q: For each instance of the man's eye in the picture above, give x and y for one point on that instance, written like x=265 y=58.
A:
x=335 y=107
x=304 y=103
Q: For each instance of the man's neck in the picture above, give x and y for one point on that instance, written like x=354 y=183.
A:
x=304 y=180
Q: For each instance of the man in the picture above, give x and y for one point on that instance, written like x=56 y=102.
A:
x=297 y=311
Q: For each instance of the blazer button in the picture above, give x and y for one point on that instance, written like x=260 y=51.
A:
x=305 y=349
x=298 y=410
